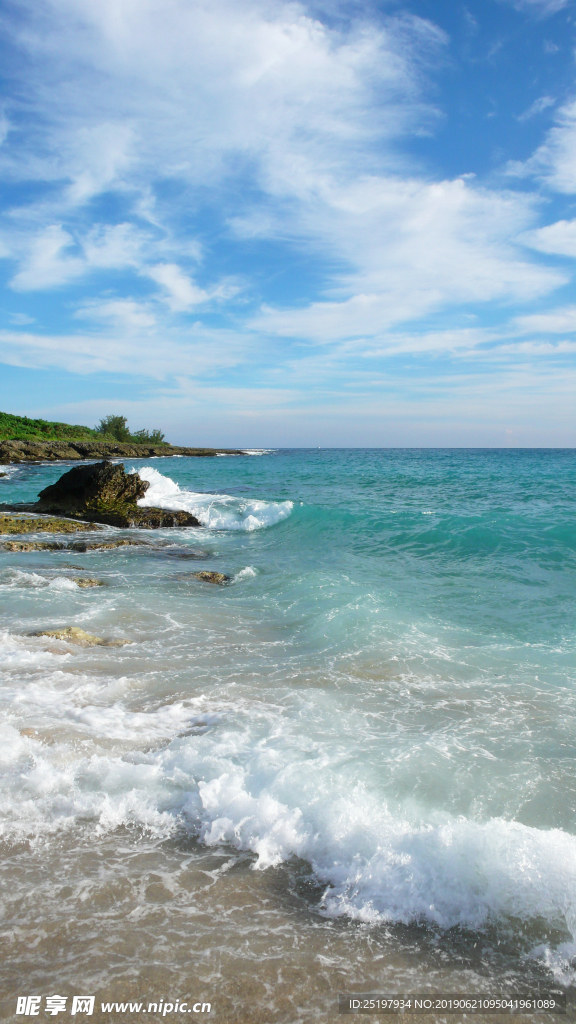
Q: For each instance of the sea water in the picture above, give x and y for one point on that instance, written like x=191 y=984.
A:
x=350 y=768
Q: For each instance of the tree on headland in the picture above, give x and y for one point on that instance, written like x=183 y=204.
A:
x=117 y=427
x=114 y=426
x=148 y=437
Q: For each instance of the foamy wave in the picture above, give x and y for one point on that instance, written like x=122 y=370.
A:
x=253 y=781
x=380 y=868
x=18 y=578
x=248 y=572
x=216 y=511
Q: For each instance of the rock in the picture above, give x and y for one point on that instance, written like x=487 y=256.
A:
x=86 y=487
x=105 y=493
x=31 y=733
x=211 y=577
x=37 y=545
x=158 y=518
x=75 y=635
x=31 y=545
x=41 y=524
x=87 y=581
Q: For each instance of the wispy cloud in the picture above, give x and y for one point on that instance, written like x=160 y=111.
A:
x=540 y=8
x=538 y=107
x=555 y=160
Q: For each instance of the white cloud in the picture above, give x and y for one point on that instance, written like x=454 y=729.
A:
x=414 y=247
x=124 y=313
x=181 y=293
x=558 y=321
x=114 y=246
x=48 y=262
x=138 y=351
x=558 y=239
x=195 y=92
x=177 y=89
x=98 y=155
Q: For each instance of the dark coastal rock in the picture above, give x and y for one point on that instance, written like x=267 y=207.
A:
x=85 y=486
x=87 y=581
x=64 y=451
x=105 y=493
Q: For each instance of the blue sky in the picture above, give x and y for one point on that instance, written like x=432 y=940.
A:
x=265 y=223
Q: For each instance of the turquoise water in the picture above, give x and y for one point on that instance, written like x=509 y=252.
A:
x=384 y=692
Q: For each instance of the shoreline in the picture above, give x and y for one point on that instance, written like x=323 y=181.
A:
x=300 y=783
x=16 y=451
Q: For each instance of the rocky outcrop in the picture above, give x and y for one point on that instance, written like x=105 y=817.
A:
x=87 y=581
x=59 y=451
x=84 y=487
x=105 y=493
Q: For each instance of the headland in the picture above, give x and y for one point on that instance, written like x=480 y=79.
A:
x=16 y=451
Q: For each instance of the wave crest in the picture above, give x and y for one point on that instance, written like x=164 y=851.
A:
x=215 y=511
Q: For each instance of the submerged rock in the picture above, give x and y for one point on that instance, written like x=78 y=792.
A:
x=212 y=577
x=106 y=545
x=87 y=581
x=75 y=635
x=105 y=493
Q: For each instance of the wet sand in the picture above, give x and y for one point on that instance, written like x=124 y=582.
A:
x=130 y=918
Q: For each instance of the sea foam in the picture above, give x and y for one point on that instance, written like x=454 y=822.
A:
x=259 y=779
x=215 y=511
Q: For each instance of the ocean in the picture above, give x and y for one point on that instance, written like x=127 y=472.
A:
x=350 y=769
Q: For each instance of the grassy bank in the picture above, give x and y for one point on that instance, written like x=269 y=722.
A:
x=21 y=428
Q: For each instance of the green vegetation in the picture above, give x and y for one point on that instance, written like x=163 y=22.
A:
x=20 y=428
x=117 y=428
x=111 y=428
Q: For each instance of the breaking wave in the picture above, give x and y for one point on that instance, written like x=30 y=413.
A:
x=216 y=511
